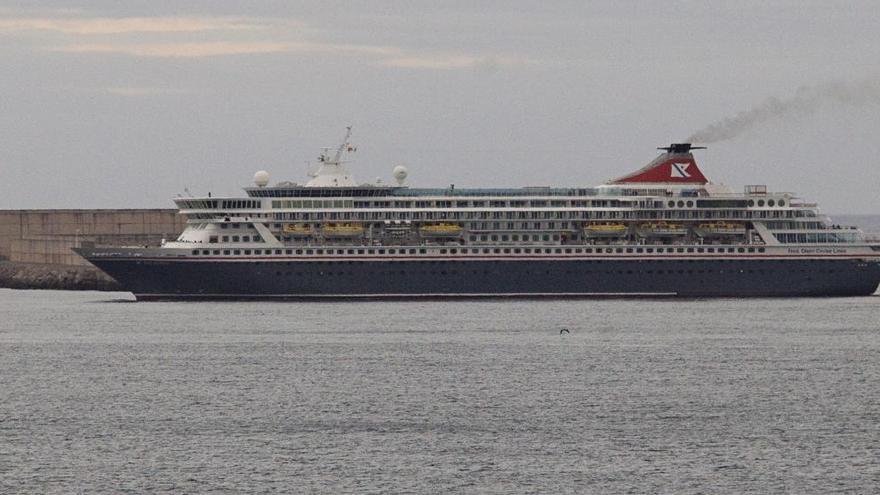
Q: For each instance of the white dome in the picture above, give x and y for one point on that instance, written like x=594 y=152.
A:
x=399 y=173
x=261 y=178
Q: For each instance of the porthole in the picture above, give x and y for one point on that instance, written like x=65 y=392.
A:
x=771 y=203
x=751 y=202
x=781 y=202
x=760 y=202
x=681 y=204
x=690 y=204
x=671 y=204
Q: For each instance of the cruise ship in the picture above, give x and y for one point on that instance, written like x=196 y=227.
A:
x=664 y=230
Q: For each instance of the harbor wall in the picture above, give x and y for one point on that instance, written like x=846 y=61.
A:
x=35 y=245
x=46 y=236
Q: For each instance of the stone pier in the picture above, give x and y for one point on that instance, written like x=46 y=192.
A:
x=35 y=245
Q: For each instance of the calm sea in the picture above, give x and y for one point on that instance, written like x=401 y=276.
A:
x=642 y=396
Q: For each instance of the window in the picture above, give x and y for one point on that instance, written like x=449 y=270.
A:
x=212 y=239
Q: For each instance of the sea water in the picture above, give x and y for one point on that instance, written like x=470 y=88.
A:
x=98 y=394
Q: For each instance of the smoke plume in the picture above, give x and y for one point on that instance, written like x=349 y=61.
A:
x=806 y=100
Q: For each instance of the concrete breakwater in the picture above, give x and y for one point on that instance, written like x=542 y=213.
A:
x=35 y=245
x=15 y=275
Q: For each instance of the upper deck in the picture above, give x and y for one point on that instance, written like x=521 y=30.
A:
x=668 y=202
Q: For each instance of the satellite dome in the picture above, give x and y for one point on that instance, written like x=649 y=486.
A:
x=399 y=173
x=261 y=178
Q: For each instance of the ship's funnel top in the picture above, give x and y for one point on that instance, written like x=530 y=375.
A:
x=676 y=166
x=681 y=148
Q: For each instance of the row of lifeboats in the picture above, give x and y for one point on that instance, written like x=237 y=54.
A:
x=594 y=229
x=356 y=230
x=663 y=229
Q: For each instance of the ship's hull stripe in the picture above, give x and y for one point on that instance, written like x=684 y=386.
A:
x=414 y=296
x=340 y=258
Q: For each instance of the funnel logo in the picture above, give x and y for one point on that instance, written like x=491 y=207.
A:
x=679 y=170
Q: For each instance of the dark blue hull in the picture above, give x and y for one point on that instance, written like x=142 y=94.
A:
x=153 y=279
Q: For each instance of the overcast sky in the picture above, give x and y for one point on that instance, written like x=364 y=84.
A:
x=110 y=104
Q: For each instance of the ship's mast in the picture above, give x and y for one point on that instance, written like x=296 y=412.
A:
x=344 y=146
x=330 y=172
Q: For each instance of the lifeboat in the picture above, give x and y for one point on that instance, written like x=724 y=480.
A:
x=661 y=229
x=298 y=229
x=342 y=230
x=440 y=230
x=720 y=228
x=605 y=229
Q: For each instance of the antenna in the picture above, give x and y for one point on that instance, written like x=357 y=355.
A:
x=343 y=146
